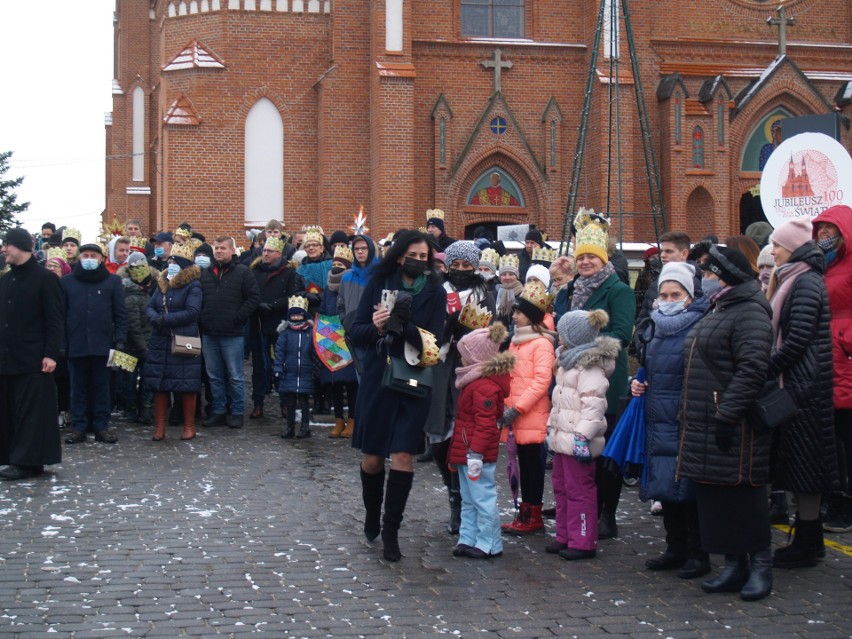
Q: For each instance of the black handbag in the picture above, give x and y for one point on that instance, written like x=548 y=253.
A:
x=404 y=378
x=773 y=408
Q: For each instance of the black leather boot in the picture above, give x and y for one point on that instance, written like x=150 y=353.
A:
x=732 y=578
x=396 y=496
x=759 y=584
x=455 y=507
x=372 y=491
x=290 y=431
x=806 y=547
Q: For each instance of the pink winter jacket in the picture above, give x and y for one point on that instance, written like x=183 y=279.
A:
x=534 y=356
x=579 y=399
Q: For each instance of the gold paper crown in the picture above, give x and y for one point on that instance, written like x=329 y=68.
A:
x=343 y=253
x=297 y=301
x=536 y=294
x=72 y=234
x=430 y=352
x=544 y=254
x=182 y=250
x=434 y=213
x=511 y=262
x=55 y=251
x=274 y=244
x=183 y=232
x=315 y=228
x=489 y=255
x=314 y=236
x=111 y=230
x=592 y=234
x=422 y=229
x=138 y=243
x=124 y=361
x=473 y=316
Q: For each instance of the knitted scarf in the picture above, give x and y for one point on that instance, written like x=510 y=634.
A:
x=506 y=297
x=568 y=357
x=467 y=374
x=665 y=325
x=779 y=289
x=584 y=287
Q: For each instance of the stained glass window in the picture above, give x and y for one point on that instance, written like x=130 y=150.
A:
x=493 y=18
x=498 y=125
x=698 y=148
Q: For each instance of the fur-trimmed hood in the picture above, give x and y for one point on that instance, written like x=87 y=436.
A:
x=500 y=364
x=180 y=280
x=603 y=352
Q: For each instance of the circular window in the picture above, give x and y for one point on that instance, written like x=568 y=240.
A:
x=498 y=125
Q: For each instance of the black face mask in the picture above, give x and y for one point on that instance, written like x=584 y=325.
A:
x=462 y=280
x=414 y=268
x=337 y=270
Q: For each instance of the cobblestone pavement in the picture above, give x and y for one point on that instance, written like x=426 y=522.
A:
x=241 y=532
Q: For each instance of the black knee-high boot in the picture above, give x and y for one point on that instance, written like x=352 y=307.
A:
x=451 y=481
x=396 y=496
x=372 y=491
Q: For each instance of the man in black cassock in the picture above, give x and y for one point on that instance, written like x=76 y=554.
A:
x=31 y=325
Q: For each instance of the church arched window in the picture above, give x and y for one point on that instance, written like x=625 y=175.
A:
x=138 y=145
x=698 y=148
x=720 y=118
x=678 y=111
x=264 y=163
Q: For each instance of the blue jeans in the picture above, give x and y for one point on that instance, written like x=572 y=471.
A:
x=480 y=519
x=261 y=367
x=223 y=357
x=89 y=389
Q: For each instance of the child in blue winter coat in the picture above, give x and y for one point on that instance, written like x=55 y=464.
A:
x=294 y=366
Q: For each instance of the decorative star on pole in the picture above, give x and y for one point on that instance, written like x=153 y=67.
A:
x=360 y=223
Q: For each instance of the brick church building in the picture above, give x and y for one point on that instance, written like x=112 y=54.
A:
x=227 y=113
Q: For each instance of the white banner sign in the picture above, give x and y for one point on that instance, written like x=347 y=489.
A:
x=805 y=175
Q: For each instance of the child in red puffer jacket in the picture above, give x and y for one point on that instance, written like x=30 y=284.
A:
x=483 y=380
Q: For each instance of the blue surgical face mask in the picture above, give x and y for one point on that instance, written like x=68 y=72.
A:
x=89 y=263
x=671 y=308
x=159 y=251
x=710 y=285
x=173 y=270
x=202 y=261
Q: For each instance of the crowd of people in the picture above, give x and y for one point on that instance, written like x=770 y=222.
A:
x=426 y=345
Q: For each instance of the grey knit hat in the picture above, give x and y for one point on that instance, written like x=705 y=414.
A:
x=581 y=327
x=462 y=250
x=680 y=272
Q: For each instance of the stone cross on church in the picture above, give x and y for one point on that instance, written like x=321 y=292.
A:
x=782 y=22
x=498 y=64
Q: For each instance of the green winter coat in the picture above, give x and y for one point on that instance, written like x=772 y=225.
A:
x=616 y=298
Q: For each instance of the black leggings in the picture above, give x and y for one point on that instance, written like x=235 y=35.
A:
x=532 y=473
x=303 y=400
x=337 y=391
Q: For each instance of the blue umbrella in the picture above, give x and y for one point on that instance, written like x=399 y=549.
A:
x=625 y=448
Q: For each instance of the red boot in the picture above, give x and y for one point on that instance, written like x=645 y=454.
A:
x=532 y=523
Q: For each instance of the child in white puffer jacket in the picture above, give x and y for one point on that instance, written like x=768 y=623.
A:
x=576 y=428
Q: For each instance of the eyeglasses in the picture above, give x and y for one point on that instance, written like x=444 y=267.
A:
x=361 y=249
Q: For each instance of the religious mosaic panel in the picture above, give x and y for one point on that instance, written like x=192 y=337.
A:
x=766 y=136
x=495 y=188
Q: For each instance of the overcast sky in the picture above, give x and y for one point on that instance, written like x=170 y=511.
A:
x=56 y=72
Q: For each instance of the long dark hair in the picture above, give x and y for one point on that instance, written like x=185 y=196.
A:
x=401 y=241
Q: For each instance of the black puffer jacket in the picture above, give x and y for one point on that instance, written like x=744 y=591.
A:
x=276 y=283
x=727 y=358
x=805 y=459
x=231 y=295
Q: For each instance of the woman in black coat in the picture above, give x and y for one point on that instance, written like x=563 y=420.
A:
x=727 y=356
x=390 y=423
x=805 y=457
x=174 y=310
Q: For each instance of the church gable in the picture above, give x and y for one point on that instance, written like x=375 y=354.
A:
x=497 y=130
x=782 y=73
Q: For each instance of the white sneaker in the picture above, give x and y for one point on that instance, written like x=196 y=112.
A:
x=656 y=508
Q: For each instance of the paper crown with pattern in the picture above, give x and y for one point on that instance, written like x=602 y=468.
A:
x=138 y=243
x=434 y=213
x=544 y=255
x=73 y=235
x=274 y=244
x=313 y=236
x=536 y=294
x=473 y=316
x=510 y=263
x=124 y=361
x=428 y=356
x=421 y=229
x=313 y=228
x=592 y=234
x=489 y=257
x=183 y=232
x=111 y=230
x=343 y=253
x=55 y=251
x=297 y=302
x=183 y=250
